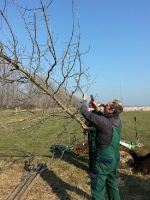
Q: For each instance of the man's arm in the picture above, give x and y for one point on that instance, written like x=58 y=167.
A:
x=94 y=118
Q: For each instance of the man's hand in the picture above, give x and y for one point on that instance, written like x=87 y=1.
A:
x=95 y=106
x=85 y=97
x=84 y=127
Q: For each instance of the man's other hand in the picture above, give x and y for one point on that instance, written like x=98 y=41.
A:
x=85 y=97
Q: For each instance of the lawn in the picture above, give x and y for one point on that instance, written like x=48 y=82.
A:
x=26 y=139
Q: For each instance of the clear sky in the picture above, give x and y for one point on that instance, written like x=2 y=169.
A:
x=118 y=33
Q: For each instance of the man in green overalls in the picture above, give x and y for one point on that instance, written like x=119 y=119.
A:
x=104 y=167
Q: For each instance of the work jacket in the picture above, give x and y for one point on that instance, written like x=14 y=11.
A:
x=103 y=125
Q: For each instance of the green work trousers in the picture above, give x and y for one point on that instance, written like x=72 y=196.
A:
x=105 y=179
x=104 y=170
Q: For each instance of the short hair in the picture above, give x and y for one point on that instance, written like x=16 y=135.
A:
x=103 y=105
x=117 y=106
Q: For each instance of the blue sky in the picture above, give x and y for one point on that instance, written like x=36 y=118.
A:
x=118 y=33
x=119 y=36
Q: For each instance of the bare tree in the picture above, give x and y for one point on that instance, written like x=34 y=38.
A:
x=26 y=63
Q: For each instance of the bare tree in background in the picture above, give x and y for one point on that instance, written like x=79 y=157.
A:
x=39 y=63
x=37 y=70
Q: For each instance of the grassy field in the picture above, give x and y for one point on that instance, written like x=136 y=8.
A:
x=142 y=127
x=26 y=139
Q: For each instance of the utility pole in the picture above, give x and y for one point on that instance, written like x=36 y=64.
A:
x=121 y=92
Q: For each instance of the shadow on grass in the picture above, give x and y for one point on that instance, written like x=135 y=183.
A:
x=58 y=186
x=134 y=187
x=131 y=186
x=73 y=158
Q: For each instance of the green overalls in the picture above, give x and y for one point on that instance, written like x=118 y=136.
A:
x=92 y=145
x=104 y=170
x=92 y=142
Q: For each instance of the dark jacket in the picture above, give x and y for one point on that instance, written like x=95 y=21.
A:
x=103 y=125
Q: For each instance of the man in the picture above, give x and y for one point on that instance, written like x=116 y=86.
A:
x=104 y=167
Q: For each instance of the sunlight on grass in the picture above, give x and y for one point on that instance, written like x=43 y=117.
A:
x=27 y=138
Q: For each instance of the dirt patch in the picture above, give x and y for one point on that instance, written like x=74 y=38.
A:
x=81 y=148
x=141 y=163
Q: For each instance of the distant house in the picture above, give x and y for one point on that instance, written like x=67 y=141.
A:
x=136 y=108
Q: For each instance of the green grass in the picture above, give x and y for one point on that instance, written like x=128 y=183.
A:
x=142 y=127
x=35 y=134
x=26 y=137
x=27 y=133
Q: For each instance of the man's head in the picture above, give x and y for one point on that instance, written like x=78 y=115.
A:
x=101 y=107
x=113 y=107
